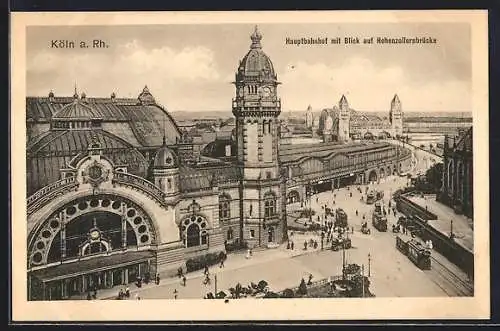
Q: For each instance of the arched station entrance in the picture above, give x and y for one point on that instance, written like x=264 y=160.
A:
x=372 y=176
x=293 y=197
x=92 y=243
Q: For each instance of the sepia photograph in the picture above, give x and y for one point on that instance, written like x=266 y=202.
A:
x=334 y=161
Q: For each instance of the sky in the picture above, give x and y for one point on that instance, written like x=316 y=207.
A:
x=191 y=67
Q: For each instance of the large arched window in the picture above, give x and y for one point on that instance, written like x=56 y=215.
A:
x=224 y=207
x=193 y=235
x=194 y=231
x=269 y=204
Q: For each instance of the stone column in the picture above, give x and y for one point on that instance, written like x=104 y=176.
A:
x=124 y=226
x=63 y=286
x=62 y=217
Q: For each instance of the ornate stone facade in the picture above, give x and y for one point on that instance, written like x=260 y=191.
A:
x=457 y=186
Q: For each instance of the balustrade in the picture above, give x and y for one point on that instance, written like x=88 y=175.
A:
x=140 y=183
x=45 y=194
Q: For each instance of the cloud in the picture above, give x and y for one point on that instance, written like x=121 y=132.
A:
x=173 y=74
x=190 y=78
x=368 y=87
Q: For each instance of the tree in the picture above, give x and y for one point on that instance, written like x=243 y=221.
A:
x=262 y=285
x=287 y=293
x=434 y=176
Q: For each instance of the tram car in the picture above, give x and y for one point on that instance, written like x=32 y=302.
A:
x=374 y=196
x=379 y=220
x=340 y=218
x=415 y=251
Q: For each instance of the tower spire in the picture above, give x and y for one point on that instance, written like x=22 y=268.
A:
x=75 y=95
x=164 y=134
x=256 y=38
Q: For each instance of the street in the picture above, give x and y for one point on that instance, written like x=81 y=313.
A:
x=391 y=273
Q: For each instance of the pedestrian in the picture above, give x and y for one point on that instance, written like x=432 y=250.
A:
x=221 y=263
x=206 y=272
x=288 y=245
x=127 y=292
x=120 y=294
x=356 y=212
x=184 y=281
x=175 y=294
x=206 y=281
x=305 y=245
x=291 y=245
x=157 y=279
x=137 y=296
x=352 y=229
x=350 y=194
x=309 y=282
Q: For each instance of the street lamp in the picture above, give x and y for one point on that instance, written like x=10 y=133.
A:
x=369 y=263
x=451 y=229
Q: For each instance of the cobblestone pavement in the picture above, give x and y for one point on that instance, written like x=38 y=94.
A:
x=391 y=273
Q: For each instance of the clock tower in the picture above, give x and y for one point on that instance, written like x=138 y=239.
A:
x=256 y=108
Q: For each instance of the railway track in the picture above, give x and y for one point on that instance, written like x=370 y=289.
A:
x=448 y=281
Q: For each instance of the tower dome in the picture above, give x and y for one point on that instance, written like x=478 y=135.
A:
x=256 y=63
x=165 y=157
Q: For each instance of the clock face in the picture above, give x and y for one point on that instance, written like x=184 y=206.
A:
x=266 y=91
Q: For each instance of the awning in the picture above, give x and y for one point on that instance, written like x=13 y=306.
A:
x=97 y=264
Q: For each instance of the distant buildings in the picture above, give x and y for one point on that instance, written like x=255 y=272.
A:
x=343 y=124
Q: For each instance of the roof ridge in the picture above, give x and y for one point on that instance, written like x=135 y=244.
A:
x=51 y=140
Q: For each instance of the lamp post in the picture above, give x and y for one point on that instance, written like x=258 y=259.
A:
x=215 y=283
x=310 y=202
x=451 y=229
x=369 y=264
x=363 y=279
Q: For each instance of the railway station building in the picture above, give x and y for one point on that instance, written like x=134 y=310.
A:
x=114 y=190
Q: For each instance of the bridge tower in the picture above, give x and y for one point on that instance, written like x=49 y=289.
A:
x=309 y=117
x=344 y=119
x=396 y=116
x=256 y=108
